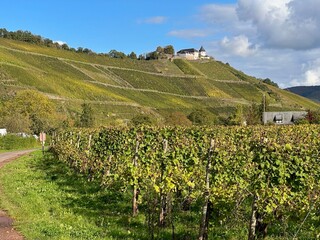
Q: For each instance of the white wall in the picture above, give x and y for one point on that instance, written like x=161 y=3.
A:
x=189 y=56
x=3 y=131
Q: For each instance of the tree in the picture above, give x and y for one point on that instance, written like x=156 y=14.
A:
x=141 y=57
x=132 y=55
x=29 y=111
x=65 y=46
x=168 y=49
x=86 y=117
x=254 y=114
x=270 y=82
x=80 y=49
x=16 y=122
x=159 y=49
x=178 y=119
x=313 y=117
x=153 y=56
x=238 y=118
x=199 y=117
x=116 y=54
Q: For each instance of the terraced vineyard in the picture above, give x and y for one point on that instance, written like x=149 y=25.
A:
x=156 y=87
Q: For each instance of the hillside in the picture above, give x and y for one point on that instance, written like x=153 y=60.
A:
x=311 y=92
x=118 y=89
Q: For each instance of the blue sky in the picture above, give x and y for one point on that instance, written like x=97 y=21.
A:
x=278 y=39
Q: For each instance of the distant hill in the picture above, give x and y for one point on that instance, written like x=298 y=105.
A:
x=119 y=89
x=311 y=92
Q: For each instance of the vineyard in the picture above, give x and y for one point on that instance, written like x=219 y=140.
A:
x=207 y=183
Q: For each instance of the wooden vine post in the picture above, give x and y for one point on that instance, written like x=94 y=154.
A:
x=79 y=139
x=204 y=224
x=89 y=143
x=253 y=220
x=163 y=197
x=135 y=188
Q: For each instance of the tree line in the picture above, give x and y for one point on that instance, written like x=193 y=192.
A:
x=27 y=36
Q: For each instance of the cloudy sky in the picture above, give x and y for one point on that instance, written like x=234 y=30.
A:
x=276 y=39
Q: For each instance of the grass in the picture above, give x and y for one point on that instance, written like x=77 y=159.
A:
x=12 y=142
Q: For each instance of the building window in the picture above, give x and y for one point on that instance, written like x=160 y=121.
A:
x=278 y=118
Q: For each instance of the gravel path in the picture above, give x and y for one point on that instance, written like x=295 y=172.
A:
x=7 y=231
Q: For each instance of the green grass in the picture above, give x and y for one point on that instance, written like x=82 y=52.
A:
x=12 y=142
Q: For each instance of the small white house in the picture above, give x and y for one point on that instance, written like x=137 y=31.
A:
x=3 y=131
x=193 y=54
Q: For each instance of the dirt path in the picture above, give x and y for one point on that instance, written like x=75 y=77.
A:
x=7 y=231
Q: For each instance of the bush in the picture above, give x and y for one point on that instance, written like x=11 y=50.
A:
x=11 y=142
x=178 y=119
x=141 y=119
x=199 y=117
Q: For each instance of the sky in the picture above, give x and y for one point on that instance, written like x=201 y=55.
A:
x=276 y=39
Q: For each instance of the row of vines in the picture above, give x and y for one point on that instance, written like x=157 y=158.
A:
x=252 y=181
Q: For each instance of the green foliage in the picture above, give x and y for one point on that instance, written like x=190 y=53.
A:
x=238 y=118
x=178 y=119
x=87 y=116
x=199 y=117
x=14 y=142
x=270 y=82
x=254 y=114
x=133 y=55
x=168 y=49
x=313 y=117
x=141 y=119
x=29 y=111
x=160 y=53
x=117 y=54
x=279 y=166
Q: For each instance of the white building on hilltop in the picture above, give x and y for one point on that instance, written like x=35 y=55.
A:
x=193 y=54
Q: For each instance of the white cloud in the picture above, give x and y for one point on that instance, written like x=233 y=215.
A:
x=60 y=42
x=311 y=75
x=188 y=33
x=154 y=20
x=283 y=23
x=223 y=17
x=218 y=13
x=276 y=39
x=238 y=45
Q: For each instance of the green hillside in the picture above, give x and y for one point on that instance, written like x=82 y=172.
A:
x=119 y=89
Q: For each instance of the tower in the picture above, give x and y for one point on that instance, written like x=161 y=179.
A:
x=202 y=52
